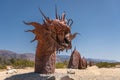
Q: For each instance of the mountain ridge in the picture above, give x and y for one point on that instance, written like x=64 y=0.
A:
x=7 y=54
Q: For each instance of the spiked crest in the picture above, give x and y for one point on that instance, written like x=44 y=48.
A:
x=57 y=32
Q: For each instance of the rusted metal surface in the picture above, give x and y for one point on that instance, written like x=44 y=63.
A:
x=75 y=60
x=52 y=36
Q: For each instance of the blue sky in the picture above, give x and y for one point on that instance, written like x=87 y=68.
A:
x=98 y=22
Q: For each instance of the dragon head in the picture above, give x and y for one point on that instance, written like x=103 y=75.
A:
x=55 y=33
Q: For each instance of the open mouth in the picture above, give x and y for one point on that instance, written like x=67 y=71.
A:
x=65 y=44
x=67 y=41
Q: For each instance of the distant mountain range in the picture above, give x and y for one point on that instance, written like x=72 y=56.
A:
x=100 y=60
x=10 y=54
x=62 y=58
x=30 y=56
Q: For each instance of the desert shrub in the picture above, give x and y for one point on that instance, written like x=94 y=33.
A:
x=12 y=60
x=60 y=65
x=65 y=62
x=2 y=66
x=19 y=63
x=16 y=63
x=105 y=65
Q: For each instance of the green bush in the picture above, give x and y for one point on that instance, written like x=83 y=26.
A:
x=16 y=63
x=65 y=63
x=12 y=60
x=60 y=65
x=105 y=65
x=2 y=66
x=19 y=63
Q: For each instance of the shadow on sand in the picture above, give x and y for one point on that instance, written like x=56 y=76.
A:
x=29 y=76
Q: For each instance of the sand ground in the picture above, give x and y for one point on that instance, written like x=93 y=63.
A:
x=91 y=73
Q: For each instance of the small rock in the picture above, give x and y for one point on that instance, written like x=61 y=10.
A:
x=11 y=71
x=70 y=72
x=9 y=67
x=51 y=78
x=66 y=78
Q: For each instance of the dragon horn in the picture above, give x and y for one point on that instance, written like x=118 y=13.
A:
x=46 y=18
x=56 y=14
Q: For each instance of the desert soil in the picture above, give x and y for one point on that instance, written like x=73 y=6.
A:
x=91 y=73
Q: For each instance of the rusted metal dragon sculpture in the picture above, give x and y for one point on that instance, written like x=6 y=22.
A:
x=52 y=36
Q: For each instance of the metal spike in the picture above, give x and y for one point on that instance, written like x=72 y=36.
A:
x=28 y=30
x=68 y=23
x=63 y=16
x=59 y=17
x=43 y=14
x=56 y=12
x=34 y=24
x=34 y=39
x=26 y=23
x=74 y=35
